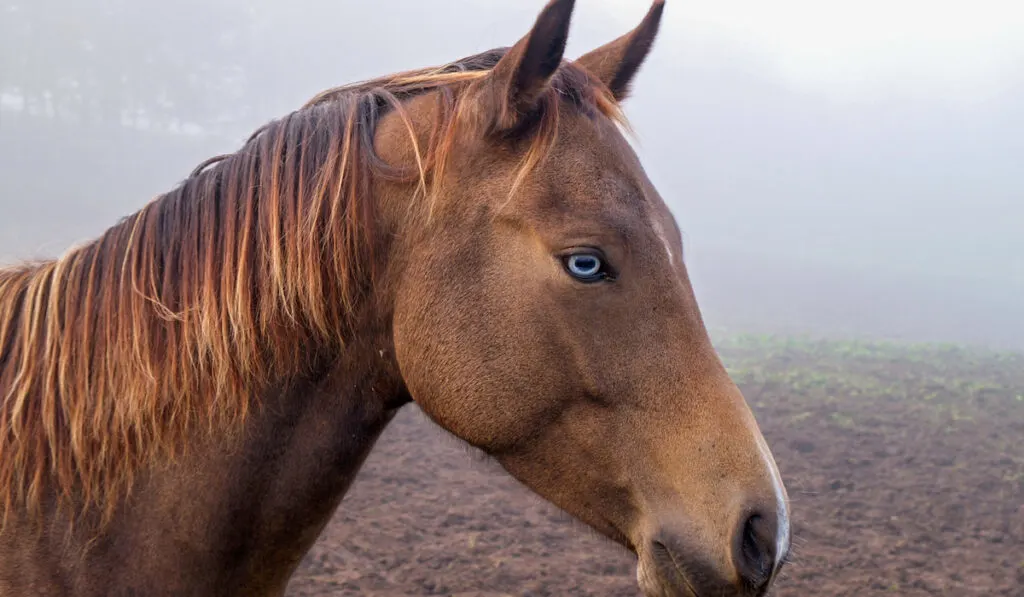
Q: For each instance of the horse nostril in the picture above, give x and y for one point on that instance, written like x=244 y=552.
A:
x=755 y=550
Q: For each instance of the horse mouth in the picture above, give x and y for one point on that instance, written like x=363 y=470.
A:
x=670 y=576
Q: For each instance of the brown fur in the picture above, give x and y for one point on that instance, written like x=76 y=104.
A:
x=252 y=331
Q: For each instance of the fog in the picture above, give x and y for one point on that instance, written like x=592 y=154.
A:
x=852 y=169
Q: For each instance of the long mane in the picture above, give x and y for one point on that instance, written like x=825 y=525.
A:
x=171 y=321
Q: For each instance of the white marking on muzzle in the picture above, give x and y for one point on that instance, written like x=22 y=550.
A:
x=781 y=508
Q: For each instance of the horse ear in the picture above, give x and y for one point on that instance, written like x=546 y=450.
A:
x=617 y=62
x=524 y=72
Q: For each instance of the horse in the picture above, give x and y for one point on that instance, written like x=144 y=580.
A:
x=187 y=397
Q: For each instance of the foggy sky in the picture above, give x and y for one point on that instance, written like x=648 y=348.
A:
x=875 y=152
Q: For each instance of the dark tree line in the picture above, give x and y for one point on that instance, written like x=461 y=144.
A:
x=109 y=62
x=219 y=64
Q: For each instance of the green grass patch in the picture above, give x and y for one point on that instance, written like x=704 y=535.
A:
x=837 y=370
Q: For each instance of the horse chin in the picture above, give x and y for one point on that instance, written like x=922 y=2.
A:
x=654 y=581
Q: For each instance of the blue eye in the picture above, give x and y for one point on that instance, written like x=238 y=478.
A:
x=586 y=267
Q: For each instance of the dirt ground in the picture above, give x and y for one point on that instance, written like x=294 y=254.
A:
x=906 y=479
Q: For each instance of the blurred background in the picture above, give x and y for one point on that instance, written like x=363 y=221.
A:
x=846 y=174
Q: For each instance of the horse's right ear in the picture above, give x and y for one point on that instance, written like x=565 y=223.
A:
x=616 y=63
x=524 y=72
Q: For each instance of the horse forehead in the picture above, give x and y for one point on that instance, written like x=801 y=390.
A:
x=588 y=180
x=592 y=174
x=597 y=139
x=575 y=192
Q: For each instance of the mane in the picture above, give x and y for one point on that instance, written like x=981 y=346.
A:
x=173 y=320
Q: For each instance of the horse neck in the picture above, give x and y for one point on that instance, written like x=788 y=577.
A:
x=270 y=489
x=315 y=431
x=306 y=450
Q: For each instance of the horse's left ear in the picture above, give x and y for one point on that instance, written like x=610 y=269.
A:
x=617 y=62
x=522 y=75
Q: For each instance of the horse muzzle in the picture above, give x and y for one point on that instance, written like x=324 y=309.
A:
x=670 y=565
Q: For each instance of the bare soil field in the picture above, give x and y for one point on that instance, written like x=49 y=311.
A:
x=905 y=465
